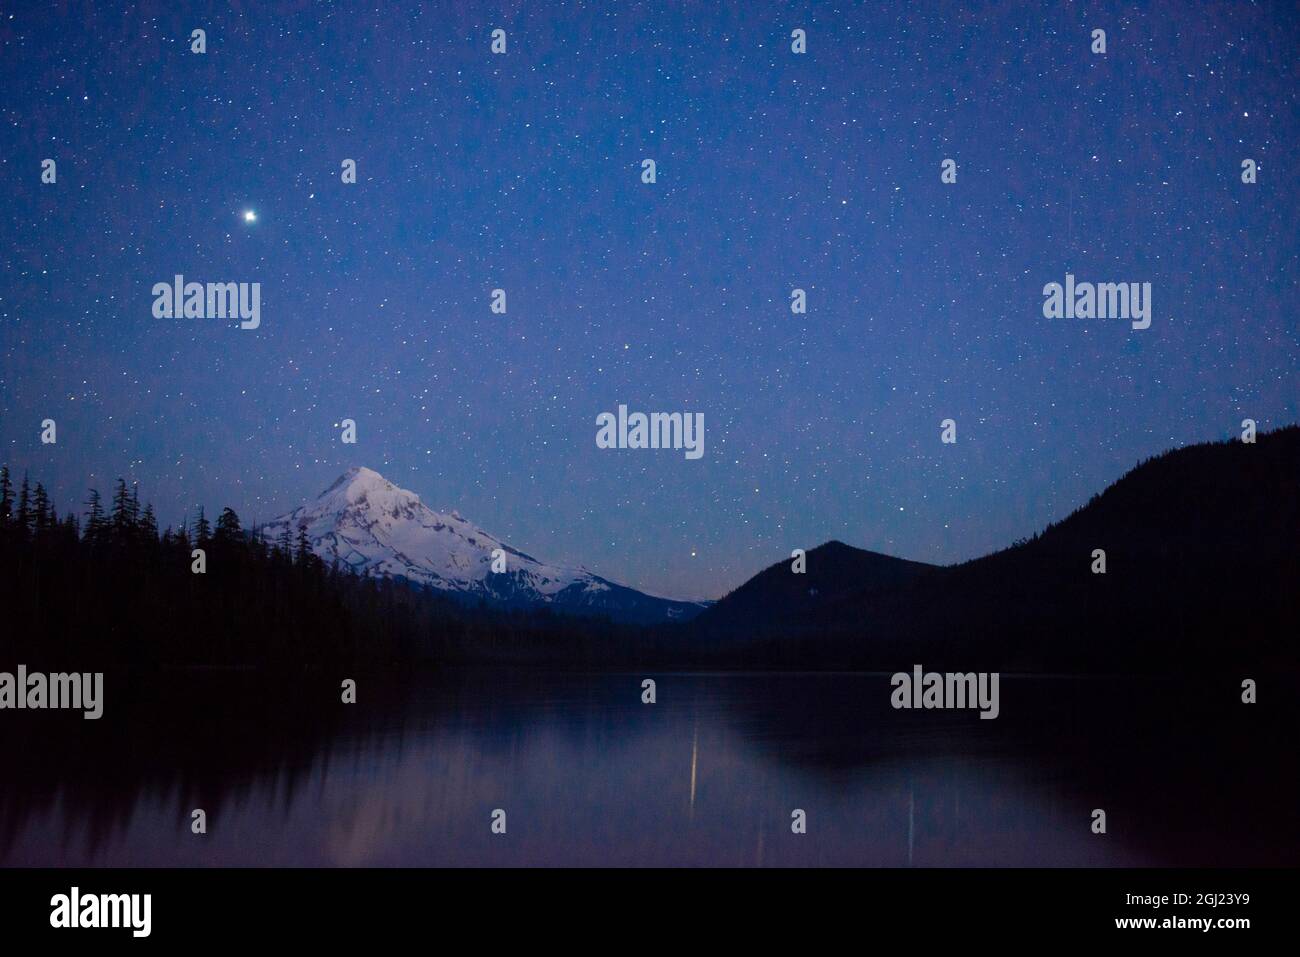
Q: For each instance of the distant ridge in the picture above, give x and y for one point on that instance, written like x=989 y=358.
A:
x=1202 y=548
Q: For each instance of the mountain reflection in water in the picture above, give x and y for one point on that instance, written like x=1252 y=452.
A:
x=708 y=775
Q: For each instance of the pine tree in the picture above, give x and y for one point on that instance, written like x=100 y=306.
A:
x=149 y=525
x=24 y=509
x=228 y=528
x=41 y=517
x=6 y=496
x=304 y=545
x=95 y=522
x=202 y=529
x=122 y=525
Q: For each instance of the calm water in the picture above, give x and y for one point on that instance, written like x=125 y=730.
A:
x=709 y=775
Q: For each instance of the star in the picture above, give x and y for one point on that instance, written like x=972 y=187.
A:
x=250 y=216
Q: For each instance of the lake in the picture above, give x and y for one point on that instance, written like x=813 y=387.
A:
x=710 y=774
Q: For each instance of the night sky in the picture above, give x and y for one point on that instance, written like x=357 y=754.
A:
x=523 y=172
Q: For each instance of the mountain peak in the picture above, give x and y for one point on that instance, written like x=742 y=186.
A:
x=357 y=473
x=359 y=484
x=366 y=523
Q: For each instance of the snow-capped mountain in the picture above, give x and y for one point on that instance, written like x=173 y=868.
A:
x=375 y=528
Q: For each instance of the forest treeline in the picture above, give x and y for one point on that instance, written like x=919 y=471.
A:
x=107 y=587
x=1190 y=562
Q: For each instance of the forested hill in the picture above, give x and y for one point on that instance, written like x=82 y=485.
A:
x=1201 y=571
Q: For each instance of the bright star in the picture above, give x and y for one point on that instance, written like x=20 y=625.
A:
x=250 y=216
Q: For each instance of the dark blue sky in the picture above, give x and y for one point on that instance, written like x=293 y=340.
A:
x=522 y=171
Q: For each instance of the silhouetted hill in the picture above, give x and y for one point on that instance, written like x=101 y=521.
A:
x=1202 y=549
x=832 y=571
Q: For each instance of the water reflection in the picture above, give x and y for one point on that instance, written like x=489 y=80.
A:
x=587 y=774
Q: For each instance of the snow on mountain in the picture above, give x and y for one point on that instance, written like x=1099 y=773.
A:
x=375 y=528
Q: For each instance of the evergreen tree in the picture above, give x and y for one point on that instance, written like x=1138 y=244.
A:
x=228 y=528
x=121 y=517
x=304 y=546
x=202 y=529
x=95 y=521
x=148 y=524
x=24 y=508
x=6 y=497
x=42 y=518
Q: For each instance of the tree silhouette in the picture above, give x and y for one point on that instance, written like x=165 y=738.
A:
x=228 y=528
x=202 y=529
x=24 y=509
x=42 y=515
x=148 y=523
x=6 y=496
x=96 y=524
x=121 y=512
